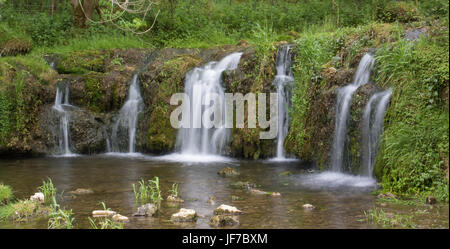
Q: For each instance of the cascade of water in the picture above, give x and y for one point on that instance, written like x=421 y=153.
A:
x=60 y=107
x=283 y=81
x=372 y=128
x=343 y=103
x=200 y=82
x=128 y=116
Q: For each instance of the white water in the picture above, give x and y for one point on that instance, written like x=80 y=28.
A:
x=202 y=143
x=62 y=91
x=343 y=103
x=372 y=128
x=128 y=117
x=333 y=180
x=283 y=81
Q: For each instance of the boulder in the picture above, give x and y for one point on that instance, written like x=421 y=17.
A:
x=224 y=220
x=184 y=215
x=148 y=209
x=103 y=213
x=228 y=172
x=38 y=197
x=226 y=209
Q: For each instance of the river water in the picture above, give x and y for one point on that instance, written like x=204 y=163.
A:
x=339 y=199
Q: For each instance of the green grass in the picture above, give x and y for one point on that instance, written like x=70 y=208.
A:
x=22 y=211
x=104 y=222
x=48 y=190
x=6 y=194
x=148 y=191
x=174 y=190
x=387 y=220
x=59 y=217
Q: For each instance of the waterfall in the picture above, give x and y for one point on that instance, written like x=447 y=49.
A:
x=128 y=116
x=200 y=82
x=343 y=103
x=283 y=81
x=372 y=128
x=62 y=91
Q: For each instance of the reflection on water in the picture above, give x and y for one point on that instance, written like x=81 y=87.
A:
x=110 y=177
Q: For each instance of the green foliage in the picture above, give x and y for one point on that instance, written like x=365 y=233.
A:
x=148 y=191
x=415 y=141
x=6 y=194
x=21 y=210
x=60 y=218
x=48 y=190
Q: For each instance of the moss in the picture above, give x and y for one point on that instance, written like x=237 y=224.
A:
x=94 y=91
x=80 y=62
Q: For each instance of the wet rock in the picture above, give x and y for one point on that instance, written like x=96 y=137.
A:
x=38 y=197
x=430 y=200
x=414 y=34
x=211 y=200
x=308 y=206
x=224 y=220
x=148 y=209
x=235 y=198
x=228 y=172
x=172 y=198
x=387 y=195
x=226 y=209
x=285 y=173
x=184 y=215
x=103 y=213
x=275 y=194
x=120 y=218
x=81 y=191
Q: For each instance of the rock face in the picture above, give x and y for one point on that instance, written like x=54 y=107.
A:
x=226 y=210
x=228 y=172
x=148 y=209
x=224 y=220
x=184 y=215
x=38 y=197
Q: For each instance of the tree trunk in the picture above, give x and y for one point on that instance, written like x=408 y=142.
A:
x=82 y=13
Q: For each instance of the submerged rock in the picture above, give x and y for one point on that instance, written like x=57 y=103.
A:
x=242 y=185
x=285 y=173
x=81 y=191
x=257 y=191
x=226 y=209
x=172 y=198
x=224 y=220
x=103 y=213
x=120 y=218
x=308 y=206
x=228 y=172
x=184 y=215
x=38 y=197
x=148 y=209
